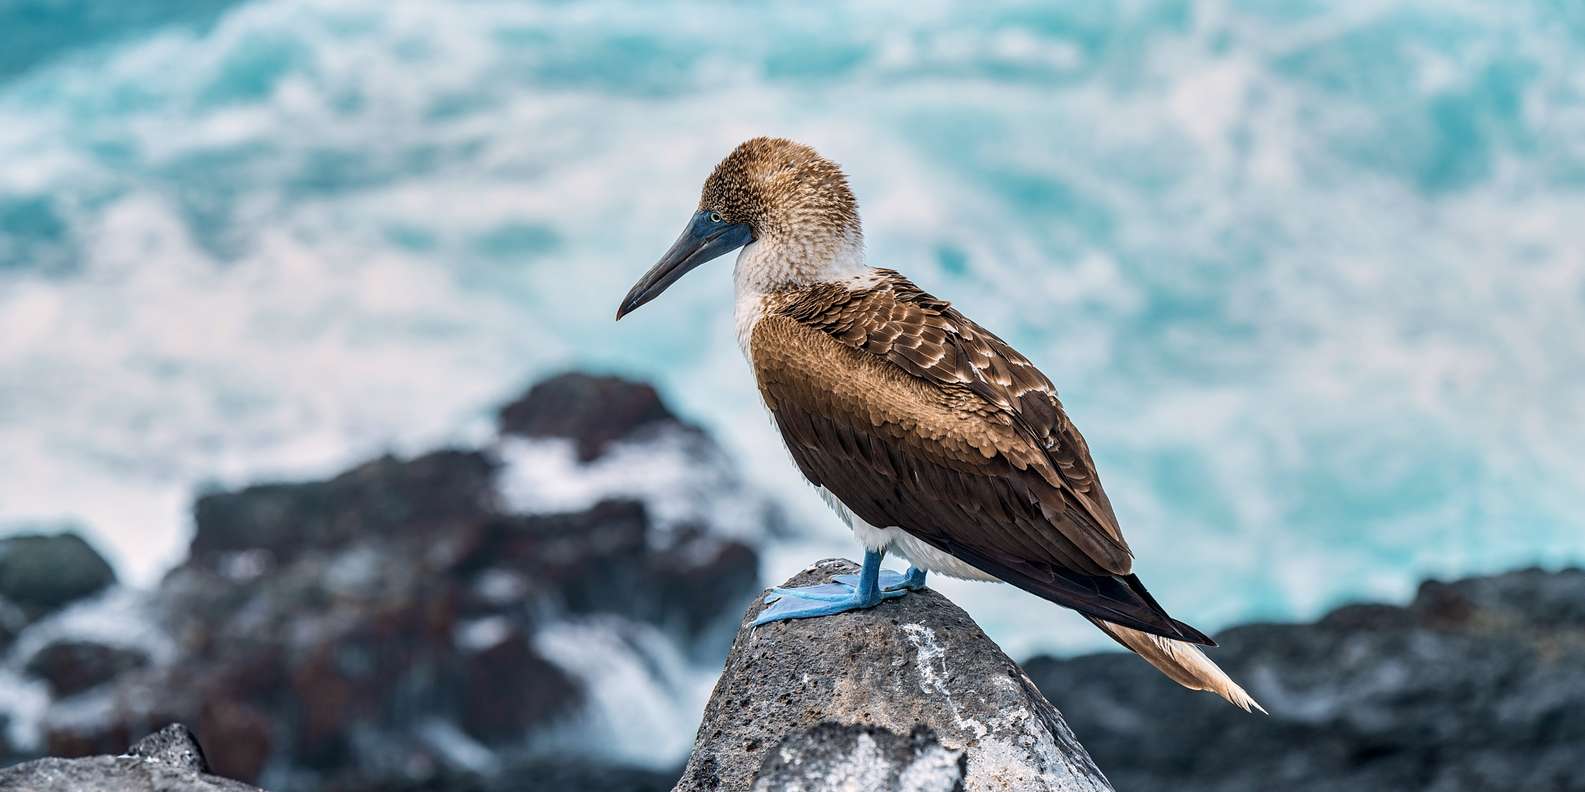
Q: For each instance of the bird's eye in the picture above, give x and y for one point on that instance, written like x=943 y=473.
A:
x=715 y=217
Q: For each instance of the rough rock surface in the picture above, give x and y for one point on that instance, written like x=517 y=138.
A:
x=1475 y=685
x=173 y=745
x=167 y=761
x=914 y=661
x=833 y=756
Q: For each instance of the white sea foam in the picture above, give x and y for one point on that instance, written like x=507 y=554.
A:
x=681 y=481
x=24 y=701
x=116 y=617
x=643 y=696
x=457 y=747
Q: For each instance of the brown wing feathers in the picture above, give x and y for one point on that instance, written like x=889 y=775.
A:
x=919 y=418
x=929 y=339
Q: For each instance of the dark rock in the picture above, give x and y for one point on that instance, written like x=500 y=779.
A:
x=562 y=774
x=578 y=776
x=239 y=733
x=169 y=761
x=592 y=411
x=386 y=497
x=835 y=756
x=381 y=629
x=400 y=593
x=1526 y=599
x=1475 y=685
x=12 y=621
x=508 y=688
x=603 y=560
x=71 y=666
x=173 y=745
x=41 y=573
x=917 y=660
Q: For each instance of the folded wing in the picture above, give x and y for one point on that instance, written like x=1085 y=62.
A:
x=915 y=417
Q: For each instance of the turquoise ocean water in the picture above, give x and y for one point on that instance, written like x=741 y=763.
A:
x=1310 y=276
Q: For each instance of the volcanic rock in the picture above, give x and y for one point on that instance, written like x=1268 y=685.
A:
x=1475 y=685
x=916 y=661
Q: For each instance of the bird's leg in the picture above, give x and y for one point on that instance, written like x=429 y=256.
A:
x=886 y=579
x=914 y=580
x=804 y=602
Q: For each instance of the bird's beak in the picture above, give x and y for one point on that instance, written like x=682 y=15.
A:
x=702 y=240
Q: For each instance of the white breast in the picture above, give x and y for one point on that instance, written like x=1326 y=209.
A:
x=746 y=312
x=766 y=265
x=751 y=278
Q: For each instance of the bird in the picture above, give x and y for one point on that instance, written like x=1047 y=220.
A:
x=931 y=437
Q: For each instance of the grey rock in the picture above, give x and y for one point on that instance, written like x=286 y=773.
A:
x=43 y=572
x=914 y=661
x=167 y=761
x=1475 y=685
x=833 y=756
x=173 y=745
x=111 y=774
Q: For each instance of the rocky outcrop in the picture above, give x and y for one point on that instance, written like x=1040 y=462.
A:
x=40 y=573
x=1475 y=685
x=169 y=760
x=71 y=665
x=396 y=499
x=910 y=689
x=592 y=411
x=414 y=623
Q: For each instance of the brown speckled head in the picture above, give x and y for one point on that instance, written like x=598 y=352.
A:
x=785 y=191
x=788 y=208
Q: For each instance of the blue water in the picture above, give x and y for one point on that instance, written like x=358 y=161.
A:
x=1310 y=276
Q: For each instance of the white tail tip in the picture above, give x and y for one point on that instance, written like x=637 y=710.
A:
x=1183 y=663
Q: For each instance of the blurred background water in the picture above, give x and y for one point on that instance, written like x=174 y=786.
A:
x=1309 y=276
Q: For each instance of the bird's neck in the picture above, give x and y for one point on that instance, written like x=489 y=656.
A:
x=772 y=264
x=767 y=266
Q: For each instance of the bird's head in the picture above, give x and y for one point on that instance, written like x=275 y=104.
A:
x=783 y=200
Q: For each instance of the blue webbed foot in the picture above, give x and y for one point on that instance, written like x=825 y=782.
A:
x=826 y=599
x=825 y=592
x=845 y=593
x=891 y=581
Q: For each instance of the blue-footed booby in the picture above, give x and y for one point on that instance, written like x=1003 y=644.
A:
x=931 y=437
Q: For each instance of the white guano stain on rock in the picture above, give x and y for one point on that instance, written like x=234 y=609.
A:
x=1016 y=751
x=933 y=674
